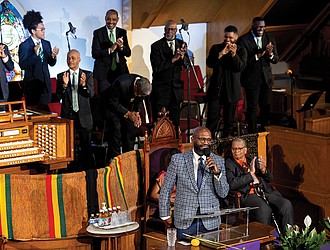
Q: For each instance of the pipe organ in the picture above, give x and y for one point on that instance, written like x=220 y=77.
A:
x=28 y=136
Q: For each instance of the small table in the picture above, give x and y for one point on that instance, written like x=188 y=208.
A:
x=112 y=234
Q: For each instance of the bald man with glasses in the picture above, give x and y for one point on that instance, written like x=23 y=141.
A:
x=167 y=58
x=246 y=175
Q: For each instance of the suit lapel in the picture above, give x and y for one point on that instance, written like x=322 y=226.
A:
x=190 y=169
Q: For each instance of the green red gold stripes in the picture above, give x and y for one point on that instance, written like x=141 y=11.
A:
x=120 y=178
x=107 y=187
x=55 y=205
x=6 y=226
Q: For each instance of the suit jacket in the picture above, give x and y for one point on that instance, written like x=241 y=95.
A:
x=259 y=71
x=84 y=94
x=166 y=75
x=32 y=64
x=188 y=198
x=100 y=45
x=9 y=65
x=226 y=70
x=239 y=181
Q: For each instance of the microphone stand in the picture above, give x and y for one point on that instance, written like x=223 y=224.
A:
x=67 y=39
x=293 y=80
x=188 y=65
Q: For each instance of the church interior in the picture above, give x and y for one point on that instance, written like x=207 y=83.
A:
x=45 y=206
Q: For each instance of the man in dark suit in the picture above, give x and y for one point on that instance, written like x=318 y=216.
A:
x=6 y=63
x=125 y=103
x=167 y=58
x=227 y=61
x=200 y=180
x=246 y=175
x=109 y=49
x=257 y=76
x=35 y=54
x=75 y=87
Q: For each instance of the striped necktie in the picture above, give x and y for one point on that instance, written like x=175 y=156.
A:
x=41 y=53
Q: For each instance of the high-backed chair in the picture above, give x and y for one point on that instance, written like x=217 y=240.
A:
x=162 y=139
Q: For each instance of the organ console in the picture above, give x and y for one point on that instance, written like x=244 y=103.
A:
x=39 y=137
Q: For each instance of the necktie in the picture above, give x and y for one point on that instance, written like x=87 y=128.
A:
x=113 y=60
x=41 y=53
x=74 y=85
x=259 y=42
x=172 y=46
x=200 y=172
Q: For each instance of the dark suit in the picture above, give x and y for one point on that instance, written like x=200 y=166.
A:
x=100 y=52
x=190 y=200
x=37 y=85
x=240 y=181
x=9 y=65
x=257 y=79
x=119 y=99
x=167 y=87
x=225 y=87
x=83 y=118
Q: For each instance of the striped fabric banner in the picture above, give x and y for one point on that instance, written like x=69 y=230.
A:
x=6 y=224
x=55 y=205
x=120 y=178
x=107 y=187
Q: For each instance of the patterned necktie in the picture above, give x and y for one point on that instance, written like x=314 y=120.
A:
x=74 y=85
x=259 y=42
x=41 y=53
x=200 y=172
x=172 y=46
x=113 y=60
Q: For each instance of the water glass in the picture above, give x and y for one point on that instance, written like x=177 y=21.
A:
x=171 y=236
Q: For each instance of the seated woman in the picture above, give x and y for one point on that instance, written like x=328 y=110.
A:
x=161 y=175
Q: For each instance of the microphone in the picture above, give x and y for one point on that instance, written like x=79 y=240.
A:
x=71 y=30
x=207 y=153
x=184 y=25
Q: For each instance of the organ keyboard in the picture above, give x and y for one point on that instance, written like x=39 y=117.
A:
x=28 y=136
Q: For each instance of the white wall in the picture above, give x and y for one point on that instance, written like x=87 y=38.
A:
x=87 y=16
x=143 y=38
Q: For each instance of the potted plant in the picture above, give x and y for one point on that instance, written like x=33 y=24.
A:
x=295 y=238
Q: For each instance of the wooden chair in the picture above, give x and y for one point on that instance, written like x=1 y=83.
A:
x=163 y=138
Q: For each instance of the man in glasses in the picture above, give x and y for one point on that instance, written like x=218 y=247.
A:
x=250 y=176
x=167 y=58
x=35 y=54
x=124 y=103
x=200 y=180
x=257 y=76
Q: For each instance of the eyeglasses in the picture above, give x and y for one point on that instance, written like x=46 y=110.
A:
x=171 y=29
x=43 y=29
x=203 y=140
x=237 y=149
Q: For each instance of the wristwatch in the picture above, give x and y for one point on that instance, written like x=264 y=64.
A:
x=126 y=115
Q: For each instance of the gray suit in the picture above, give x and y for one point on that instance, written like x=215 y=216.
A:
x=189 y=200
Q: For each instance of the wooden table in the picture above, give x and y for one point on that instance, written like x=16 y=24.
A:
x=112 y=235
x=258 y=231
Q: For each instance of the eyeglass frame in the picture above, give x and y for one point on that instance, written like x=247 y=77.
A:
x=203 y=140
x=237 y=149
